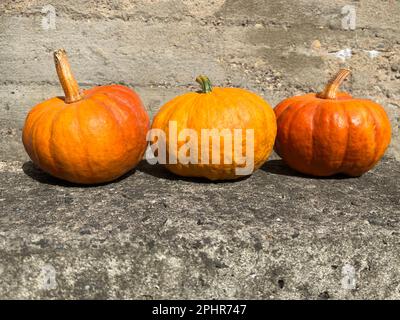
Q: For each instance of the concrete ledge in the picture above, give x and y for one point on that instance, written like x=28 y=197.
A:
x=153 y=235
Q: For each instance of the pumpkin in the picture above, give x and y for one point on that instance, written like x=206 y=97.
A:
x=331 y=132
x=86 y=137
x=243 y=126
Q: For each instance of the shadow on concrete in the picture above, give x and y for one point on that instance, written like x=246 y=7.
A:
x=159 y=171
x=279 y=167
x=34 y=172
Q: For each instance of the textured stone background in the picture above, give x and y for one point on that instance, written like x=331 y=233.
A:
x=150 y=236
x=158 y=47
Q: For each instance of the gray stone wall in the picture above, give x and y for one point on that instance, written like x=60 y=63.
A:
x=275 y=48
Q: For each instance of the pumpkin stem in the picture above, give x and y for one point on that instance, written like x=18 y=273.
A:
x=331 y=88
x=205 y=83
x=67 y=80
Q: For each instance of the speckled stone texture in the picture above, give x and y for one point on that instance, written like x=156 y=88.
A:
x=150 y=235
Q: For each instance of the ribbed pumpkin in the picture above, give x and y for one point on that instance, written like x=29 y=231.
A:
x=328 y=133
x=86 y=137
x=223 y=109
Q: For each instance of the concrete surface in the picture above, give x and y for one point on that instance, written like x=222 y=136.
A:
x=274 y=235
x=151 y=235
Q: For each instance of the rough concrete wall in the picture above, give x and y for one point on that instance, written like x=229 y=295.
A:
x=275 y=48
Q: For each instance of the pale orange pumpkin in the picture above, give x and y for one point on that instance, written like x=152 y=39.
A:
x=87 y=137
x=328 y=133
x=223 y=109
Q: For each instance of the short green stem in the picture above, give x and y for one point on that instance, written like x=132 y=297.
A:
x=205 y=83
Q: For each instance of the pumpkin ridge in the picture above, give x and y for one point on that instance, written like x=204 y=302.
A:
x=386 y=130
x=222 y=99
x=291 y=119
x=260 y=103
x=125 y=108
x=374 y=132
x=375 y=110
x=340 y=169
x=96 y=110
x=44 y=142
x=229 y=100
x=52 y=144
x=256 y=99
x=104 y=104
x=277 y=145
x=193 y=117
x=127 y=91
x=122 y=130
x=333 y=161
x=288 y=102
x=140 y=111
x=171 y=116
x=218 y=101
x=192 y=121
x=32 y=119
x=183 y=123
x=178 y=108
x=234 y=102
x=356 y=105
x=371 y=116
x=190 y=105
x=349 y=128
x=292 y=105
x=130 y=98
x=249 y=109
x=33 y=134
x=313 y=142
x=80 y=135
x=123 y=105
x=168 y=109
x=262 y=142
x=256 y=104
x=114 y=118
x=317 y=109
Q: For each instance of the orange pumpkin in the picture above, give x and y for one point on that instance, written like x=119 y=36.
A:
x=223 y=110
x=328 y=133
x=87 y=137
